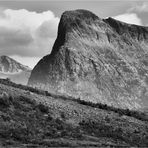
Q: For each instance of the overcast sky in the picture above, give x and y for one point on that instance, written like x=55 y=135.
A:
x=28 y=29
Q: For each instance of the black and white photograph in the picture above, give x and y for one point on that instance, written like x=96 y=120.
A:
x=73 y=73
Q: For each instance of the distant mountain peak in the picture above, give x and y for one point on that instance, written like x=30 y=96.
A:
x=9 y=65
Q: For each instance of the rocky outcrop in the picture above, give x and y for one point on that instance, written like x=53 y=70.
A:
x=100 y=60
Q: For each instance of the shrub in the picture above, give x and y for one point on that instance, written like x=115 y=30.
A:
x=43 y=108
x=4 y=100
x=63 y=116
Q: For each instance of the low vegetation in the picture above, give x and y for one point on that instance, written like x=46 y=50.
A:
x=31 y=120
x=136 y=114
x=25 y=121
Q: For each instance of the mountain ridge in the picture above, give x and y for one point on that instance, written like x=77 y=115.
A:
x=132 y=29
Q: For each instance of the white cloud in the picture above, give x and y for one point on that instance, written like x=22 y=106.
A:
x=130 y=18
x=27 y=34
x=139 y=7
x=24 y=18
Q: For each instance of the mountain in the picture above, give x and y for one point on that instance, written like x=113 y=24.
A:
x=98 y=60
x=9 y=68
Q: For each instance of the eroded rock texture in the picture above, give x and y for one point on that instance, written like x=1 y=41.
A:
x=100 y=60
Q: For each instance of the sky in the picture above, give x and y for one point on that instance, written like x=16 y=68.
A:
x=28 y=29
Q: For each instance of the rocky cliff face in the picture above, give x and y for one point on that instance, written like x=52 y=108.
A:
x=100 y=60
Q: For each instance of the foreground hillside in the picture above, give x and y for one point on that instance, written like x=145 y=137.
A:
x=34 y=118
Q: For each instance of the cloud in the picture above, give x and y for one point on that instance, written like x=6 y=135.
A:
x=27 y=34
x=139 y=7
x=130 y=18
x=14 y=37
x=48 y=29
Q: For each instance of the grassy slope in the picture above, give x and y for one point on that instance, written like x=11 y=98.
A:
x=30 y=119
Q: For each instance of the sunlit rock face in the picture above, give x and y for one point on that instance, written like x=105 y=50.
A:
x=98 y=60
